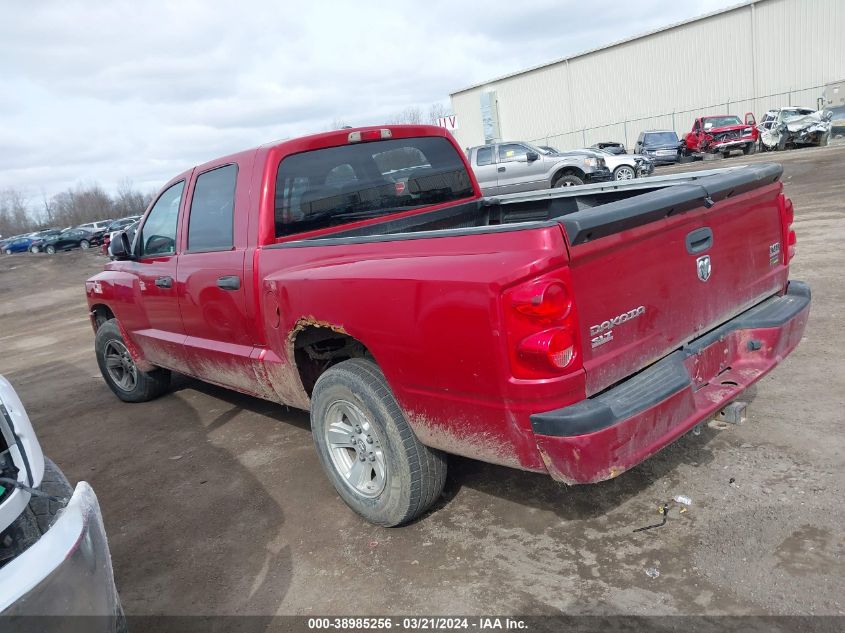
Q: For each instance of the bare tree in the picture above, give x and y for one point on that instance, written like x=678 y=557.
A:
x=412 y=115
x=436 y=111
x=14 y=213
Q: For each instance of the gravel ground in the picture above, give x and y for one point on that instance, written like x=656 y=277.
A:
x=215 y=503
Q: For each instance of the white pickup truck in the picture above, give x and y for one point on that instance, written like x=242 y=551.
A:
x=54 y=556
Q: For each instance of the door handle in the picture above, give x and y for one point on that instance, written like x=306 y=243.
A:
x=501 y=169
x=164 y=282
x=229 y=282
x=699 y=240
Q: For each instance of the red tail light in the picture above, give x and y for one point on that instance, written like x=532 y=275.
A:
x=542 y=329
x=787 y=217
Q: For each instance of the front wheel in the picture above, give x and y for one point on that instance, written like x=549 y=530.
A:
x=749 y=148
x=85 y=245
x=367 y=448
x=624 y=172
x=8 y=251
x=568 y=181
x=726 y=154
x=51 y=250
x=123 y=377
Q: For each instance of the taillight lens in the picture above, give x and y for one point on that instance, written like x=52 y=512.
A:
x=544 y=301
x=542 y=329
x=554 y=348
x=787 y=216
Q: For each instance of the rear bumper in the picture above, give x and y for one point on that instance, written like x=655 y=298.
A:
x=603 y=436
x=67 y=572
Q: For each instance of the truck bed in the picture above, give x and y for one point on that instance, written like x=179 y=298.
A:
x=586 y=213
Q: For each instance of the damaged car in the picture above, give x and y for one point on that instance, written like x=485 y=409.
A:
x=787 y=128
x=54 y=556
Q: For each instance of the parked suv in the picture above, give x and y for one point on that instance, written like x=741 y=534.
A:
x=661 y=146
x=94 y=227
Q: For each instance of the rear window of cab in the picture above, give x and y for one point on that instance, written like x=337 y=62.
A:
x=338 y=185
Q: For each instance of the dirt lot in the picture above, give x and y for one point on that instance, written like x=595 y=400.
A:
x=215 y=503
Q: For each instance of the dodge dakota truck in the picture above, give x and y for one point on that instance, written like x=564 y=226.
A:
x=361 y=275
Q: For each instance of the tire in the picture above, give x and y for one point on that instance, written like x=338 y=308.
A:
x=34 y=249
x=354 y=419
x=568 y=181
x=8 y=251
x=53 y=483
x=824 y=139
x=84 y=245
x=624 y=172
x=685 y=158
x=750 y=148
x=726 y=154
x=128 y=383
x=51 y=250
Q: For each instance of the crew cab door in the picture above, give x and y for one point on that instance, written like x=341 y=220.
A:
x=212 y=282
x=156 y=325
x=485 y=169
x=516 y=172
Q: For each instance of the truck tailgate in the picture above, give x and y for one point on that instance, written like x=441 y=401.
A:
x=654 y=271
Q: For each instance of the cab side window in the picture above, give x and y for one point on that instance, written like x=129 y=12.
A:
x=158 y=234
x=512 y=152
x=211 y=223
x=484 y=156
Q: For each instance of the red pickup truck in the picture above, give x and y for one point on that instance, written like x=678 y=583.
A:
x=359 y=274
x=721 y=134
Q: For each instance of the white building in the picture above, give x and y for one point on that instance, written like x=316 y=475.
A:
x=748 y=58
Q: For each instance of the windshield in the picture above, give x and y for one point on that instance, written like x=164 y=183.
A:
x=660 y=138
x=337 y=185
x=720 y=121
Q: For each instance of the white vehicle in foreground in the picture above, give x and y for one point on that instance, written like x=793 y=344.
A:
x=54 y=556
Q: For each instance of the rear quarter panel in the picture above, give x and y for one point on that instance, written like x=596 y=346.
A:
x=428 y=310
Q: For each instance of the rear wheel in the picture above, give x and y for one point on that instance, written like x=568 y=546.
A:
x=34 y=249
x=624 y=172
x=369 y=452
x=568 y=181
x=123 y=377
x=84 y=244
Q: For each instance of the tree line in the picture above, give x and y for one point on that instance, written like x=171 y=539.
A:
x=74 y=206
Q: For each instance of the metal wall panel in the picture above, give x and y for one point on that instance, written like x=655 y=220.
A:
x=723 y=63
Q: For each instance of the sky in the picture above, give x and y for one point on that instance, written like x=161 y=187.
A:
x=108 y=92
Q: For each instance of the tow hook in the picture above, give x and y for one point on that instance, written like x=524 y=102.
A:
x=734 y=413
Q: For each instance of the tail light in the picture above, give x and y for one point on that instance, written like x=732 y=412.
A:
x=787 y=217
x=542 y=329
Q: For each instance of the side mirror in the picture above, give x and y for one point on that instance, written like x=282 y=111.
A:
x=119 y=247
x=532 y=156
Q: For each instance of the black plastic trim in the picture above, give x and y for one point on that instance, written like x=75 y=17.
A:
x=591 y=224
x=665 y=377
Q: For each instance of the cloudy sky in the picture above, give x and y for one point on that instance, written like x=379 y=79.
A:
x=106 y=91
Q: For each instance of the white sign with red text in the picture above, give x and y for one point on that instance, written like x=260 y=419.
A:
x=449 y=122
